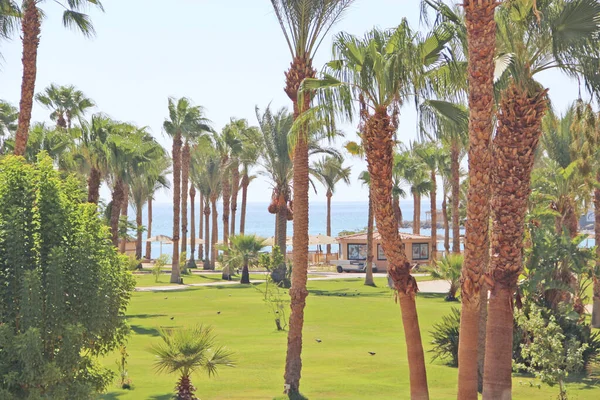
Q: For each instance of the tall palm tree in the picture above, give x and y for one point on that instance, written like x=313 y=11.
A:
x=330 y=171
x=65 y=102
x=251 y=149
x=197 y=131
x=366 y=180
x=183 y=119
x=562 y=30
x=144 y=185
x=430 y=154
x=415 y=174
x=31 y=20
x=304 y=24
x=159 y=184
x=379 y=71
x=228 y=144
x=185 y=351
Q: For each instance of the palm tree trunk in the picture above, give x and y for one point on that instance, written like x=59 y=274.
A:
x=115 y=211
x=207 y=259
x=124 y=211
x=446 y=224
x=235 y=186
x=185 y=175
x=379 y=145
x=175 y=272
x=138 y=242
x=415 y=202
x=245 y=273
x=245 y=183
x=455 y=183
x=481 y=32
x=300 y=69
x=215 y=233
x=226 y=185
x=418 y=214
x=596 y=279
x=193 y=224
x=397 y=209
x=149 y=227
x=329 y=194
x=281 y=229
x=94 y=181
x=201 y=230
x=517 y=136
x=433 y=198
x=30 y=23
x=369 y=274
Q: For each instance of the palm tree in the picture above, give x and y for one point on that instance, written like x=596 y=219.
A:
x=183 y=119
x=31 y=20
x=251 y=149
x=329 y=171
x=9 y=115
x=244 y=250
x=449 y=269
x=563 y=29
x=379 y=71
x=185 y=351
x=366 y=180
x=143 y=187
x=65 y=102
x=304 y=24
x=228 y=144
x=413 y=171
x=430 y=154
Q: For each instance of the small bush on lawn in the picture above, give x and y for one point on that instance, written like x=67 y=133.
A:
x=445 y=338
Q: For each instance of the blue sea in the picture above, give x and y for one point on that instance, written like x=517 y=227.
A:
x=345 y=216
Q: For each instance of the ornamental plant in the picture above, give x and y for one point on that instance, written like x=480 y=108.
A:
x=63 y=287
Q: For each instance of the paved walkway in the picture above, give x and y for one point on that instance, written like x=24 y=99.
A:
x=426 y=286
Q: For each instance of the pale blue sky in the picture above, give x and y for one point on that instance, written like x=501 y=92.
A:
x=228 y=56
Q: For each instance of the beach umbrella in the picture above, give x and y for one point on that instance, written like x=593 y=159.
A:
x=321 y=239
x=161 y=239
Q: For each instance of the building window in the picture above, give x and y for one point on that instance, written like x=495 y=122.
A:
x=357 y=251
x=420 y=251
x=380 y=254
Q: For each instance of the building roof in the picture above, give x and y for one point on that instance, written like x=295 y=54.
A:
x=376 y=236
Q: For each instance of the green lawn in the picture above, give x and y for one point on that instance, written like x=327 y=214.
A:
x=350 y=319
x=144 y=280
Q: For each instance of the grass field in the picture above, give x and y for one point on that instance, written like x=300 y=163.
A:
x=350 y=319
x=144 y=280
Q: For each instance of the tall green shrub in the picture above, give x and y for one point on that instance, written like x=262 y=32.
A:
x=63 y=288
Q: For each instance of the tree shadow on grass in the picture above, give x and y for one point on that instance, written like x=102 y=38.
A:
x=167 y=396
x=140 y=330
x=346 y=293
x=146 y=315
x=427 y=295
x=111 y=395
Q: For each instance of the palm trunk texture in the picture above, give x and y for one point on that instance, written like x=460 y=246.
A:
x=201 y=228
x=446 y=224
x=433 y=196
x=245 y=183
x=397 y=209
x=185 y=176
x=30 y=24
x=149 y=228
x=175 y=272
x=379 y=146
x=115 y=211
x=215 y=233
x=596 y=279
x=94 y=181
x=226 y=203
x=329 y=194
x=124 y=210
x=192 y=223
x=138 y=242
x=517 y=136
x=235 y=186
x=481 y=36
x=369 y=273
x=281 y=229
x=455 y=184
x=300 y=69
x=207 y=260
